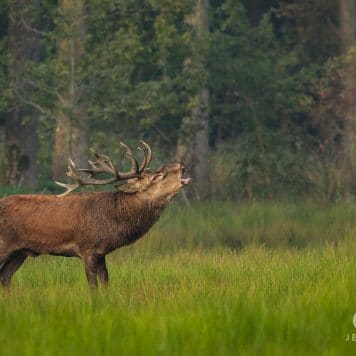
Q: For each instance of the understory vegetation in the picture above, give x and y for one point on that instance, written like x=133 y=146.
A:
x=261 y=278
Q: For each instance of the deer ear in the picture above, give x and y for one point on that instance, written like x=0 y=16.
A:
x=131 y=186
x=127 y=188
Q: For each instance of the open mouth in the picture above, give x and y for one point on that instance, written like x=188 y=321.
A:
x=185 y=181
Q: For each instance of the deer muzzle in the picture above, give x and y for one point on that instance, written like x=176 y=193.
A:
x=185 y=181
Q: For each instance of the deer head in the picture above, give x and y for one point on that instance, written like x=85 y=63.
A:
x=159 y=185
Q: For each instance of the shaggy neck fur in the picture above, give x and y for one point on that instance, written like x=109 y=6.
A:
x=140 y=214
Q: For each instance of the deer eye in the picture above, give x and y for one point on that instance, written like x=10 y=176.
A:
x=158 y=176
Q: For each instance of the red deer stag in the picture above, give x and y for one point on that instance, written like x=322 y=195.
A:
x=87 y=225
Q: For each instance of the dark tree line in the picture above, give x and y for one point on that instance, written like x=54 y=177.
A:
x=258 y=97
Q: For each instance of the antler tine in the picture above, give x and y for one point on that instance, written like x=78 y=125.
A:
x=70 y=188
x=103 y=164
x=135 y=170
x=147 y=152
x=72 y=172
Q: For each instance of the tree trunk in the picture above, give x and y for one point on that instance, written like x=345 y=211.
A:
x=193 y=142
x=348 y=33
x=21 y=123
x=71 y=133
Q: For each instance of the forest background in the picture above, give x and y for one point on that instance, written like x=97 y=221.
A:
x=257 y=97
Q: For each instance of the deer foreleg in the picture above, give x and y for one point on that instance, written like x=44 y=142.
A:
x=103 y=271
x=91 y=270
x=11 y=266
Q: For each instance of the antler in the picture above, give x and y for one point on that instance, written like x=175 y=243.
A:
x=147 y=152
x=104 y=164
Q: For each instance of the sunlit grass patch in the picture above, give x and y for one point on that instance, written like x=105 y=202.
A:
x=210 y=302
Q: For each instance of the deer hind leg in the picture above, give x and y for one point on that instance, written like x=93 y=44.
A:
x=9 y=268
x=4 y=253
x=103 y=271
x=91 y=270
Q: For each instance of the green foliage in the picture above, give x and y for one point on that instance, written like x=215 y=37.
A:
x=277 y=88
x=264 y=154
x=130 y=72
x=277 y=103
x=301 y=23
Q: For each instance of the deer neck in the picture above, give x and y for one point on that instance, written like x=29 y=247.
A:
x=136 y=214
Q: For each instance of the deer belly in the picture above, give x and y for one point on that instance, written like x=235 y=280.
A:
x=65 y=249
x=51 y=246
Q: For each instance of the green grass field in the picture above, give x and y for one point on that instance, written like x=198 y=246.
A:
x=261 y=279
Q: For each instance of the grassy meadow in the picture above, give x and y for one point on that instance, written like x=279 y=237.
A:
x=218 y=279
